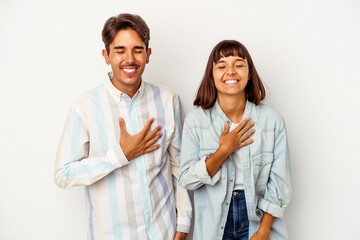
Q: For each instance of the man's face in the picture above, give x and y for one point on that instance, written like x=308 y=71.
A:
x=127 y=58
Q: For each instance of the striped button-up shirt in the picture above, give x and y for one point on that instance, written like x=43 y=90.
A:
x=137 y=199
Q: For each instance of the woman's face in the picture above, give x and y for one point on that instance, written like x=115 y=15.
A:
x=231 y=75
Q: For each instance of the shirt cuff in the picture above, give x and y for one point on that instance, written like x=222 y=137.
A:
x=117 y=157
x=204 y=175
x=271 y=208
x=183 y=225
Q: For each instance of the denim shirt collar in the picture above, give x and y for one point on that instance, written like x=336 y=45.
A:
x=220 y=112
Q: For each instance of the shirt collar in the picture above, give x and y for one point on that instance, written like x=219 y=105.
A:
x=117 y=94
x=220 y=112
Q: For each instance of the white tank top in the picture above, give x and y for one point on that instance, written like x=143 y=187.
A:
x=235 y=156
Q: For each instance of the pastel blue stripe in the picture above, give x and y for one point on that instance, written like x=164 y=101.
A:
x=144 y=189
x=161 y=121
x=114 y=207
x=100 y=121
x=91 y=209
x=74 y=146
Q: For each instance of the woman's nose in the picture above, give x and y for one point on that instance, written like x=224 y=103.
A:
x=231 y=71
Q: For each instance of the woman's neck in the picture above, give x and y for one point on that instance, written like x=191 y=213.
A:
x=233 y=107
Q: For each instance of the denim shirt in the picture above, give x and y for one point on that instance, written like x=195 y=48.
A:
x=266 y=169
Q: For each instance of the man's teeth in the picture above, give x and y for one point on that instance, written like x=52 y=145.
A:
x=129 y=70
x=230 y=81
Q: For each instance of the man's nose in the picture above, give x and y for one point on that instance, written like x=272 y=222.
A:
x=129 y=58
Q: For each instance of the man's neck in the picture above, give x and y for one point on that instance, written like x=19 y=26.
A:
x=129 y=90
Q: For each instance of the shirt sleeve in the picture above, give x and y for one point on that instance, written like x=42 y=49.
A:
x=183 y=202
x=193 y=171
x=73 y=165
x=278 y=190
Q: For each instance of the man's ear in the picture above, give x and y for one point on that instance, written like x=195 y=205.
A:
x=148 y=53
x=106 y=56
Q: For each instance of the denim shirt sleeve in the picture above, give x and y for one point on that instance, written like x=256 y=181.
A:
x=193 y=172
x=278 y=190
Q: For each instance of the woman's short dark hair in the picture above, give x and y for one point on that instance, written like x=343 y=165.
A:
x=207 y=93
x=125 y=21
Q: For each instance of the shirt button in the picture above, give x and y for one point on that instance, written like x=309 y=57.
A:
x=231 y=180
x=227 y=203
x=262 y=161
x=222 y=227
x=251 y=211
x=247 y=188
x=246 y=164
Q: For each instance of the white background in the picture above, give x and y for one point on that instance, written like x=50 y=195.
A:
x=307 y=53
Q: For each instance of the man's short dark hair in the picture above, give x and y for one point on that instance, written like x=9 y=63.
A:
x=125 y=21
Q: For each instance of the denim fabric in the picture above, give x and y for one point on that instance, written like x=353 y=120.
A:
x=237 y=223
x=266 y=169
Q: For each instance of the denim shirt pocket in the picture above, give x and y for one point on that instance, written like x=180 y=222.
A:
x=261 y=166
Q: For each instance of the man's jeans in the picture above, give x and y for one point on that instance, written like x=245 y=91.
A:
x=237 y=223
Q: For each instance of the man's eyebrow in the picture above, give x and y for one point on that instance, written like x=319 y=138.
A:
x=122 y=47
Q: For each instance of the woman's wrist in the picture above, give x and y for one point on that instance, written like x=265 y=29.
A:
x=265 y=225
x=224 y=150
x=264 y=230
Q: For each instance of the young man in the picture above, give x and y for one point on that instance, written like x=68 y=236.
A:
x=110 y=145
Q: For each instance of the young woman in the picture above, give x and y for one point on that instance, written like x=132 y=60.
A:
x=234 y=153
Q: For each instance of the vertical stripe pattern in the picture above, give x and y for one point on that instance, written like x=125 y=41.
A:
x=161 y=121
x=125 y=199
x=100 y=120
x=90 y=211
